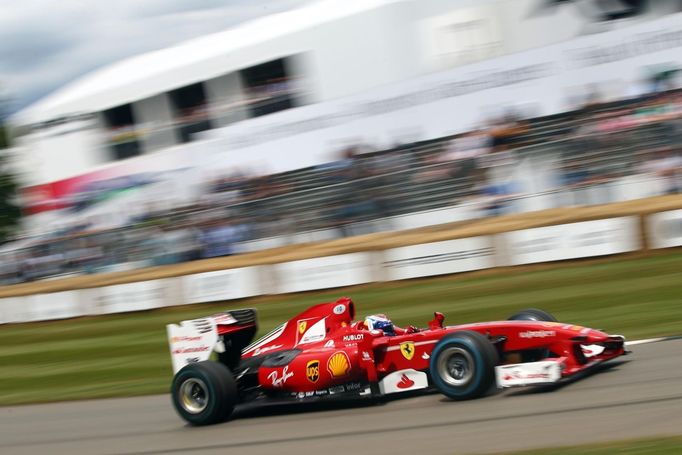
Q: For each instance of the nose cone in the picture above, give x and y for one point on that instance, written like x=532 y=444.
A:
x=596 y=336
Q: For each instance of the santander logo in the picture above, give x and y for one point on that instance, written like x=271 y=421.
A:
x=405 y=382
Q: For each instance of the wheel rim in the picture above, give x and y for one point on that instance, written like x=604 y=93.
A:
x=194 y=395
x=455 y=366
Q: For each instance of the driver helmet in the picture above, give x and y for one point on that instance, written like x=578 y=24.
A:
x=380 y=322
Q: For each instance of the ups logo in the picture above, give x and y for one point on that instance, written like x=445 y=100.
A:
x=312 y=370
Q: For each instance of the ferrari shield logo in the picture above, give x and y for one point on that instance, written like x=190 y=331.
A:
x=302 y=326
x=407 y=349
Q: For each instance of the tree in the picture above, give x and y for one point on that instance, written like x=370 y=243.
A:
x=9 y=210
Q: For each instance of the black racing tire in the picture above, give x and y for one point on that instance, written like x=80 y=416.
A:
x=532 y=314
x=204 y=393
x=462 y=365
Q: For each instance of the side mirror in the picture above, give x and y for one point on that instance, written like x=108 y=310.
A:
x=437 y=322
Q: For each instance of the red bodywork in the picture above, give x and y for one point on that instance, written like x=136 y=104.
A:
x=327 y=349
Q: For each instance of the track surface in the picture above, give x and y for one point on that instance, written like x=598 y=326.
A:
x=637 y=398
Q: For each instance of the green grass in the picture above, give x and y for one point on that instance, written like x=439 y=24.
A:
x=126 y=354
x=655 y=446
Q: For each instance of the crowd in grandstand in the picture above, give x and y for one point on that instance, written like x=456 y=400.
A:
x=597 y=144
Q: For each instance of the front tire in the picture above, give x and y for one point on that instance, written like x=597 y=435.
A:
x=204 y=393
x=532 y=314
x=462 y=365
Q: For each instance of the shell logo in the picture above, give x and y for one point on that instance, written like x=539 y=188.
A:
x=338 y=364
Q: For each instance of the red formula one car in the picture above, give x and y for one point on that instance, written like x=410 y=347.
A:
x=323 y=353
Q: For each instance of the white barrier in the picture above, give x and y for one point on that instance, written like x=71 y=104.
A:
x=665 y=229
x=120 y=298
x=15 y=309
x=571 y=241
x=325 y=272
x=439 y=258
x=56 y=305
x=544 y=244
x=228 y=284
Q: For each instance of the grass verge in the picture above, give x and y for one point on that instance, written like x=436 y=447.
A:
x=126 y=354
x=650 y=446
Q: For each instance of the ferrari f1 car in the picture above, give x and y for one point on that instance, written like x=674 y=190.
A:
x=323 y=353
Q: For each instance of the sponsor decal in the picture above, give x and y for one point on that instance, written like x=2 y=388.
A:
x=405 y=382
x=190 y=350
x=259 y=351
x=310 y=394
x=329 y=344
x=351 y=386
x=537 y=334
x=300 y=395
x=312 y=371
x=339 y=309
x=407 y=349
x=516 y=374
x=321 y=392
x=366 y=356
x=315 y=332
x=185 y=338
x=302 y=325
x=425 y=356
x=354 y=337
x=224 y=319
x=311 y=337
x=338 y=364
x=402 y=381
x=279 y=381
x=336 y=389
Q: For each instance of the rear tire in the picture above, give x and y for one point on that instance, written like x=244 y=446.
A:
x=532 y=314
x=462 y=365
x=204 y=393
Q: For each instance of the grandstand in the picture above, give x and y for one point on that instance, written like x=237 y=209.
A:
x=371 y=191
x=144 y=130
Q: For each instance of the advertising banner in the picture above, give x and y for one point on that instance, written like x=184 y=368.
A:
x=439 y=258
x=574 y=240
x=120 y=298
x=453 y=101
x=222 y=285
x=56 y=305
x=665 y=229
x=322 y=273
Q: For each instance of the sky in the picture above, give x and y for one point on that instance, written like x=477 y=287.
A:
x=45 y=44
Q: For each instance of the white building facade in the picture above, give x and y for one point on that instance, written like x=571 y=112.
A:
x=199 y=103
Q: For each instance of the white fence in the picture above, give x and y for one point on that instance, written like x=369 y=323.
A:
x=544 y=244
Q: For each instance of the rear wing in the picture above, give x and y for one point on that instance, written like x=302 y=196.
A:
x=225 y=333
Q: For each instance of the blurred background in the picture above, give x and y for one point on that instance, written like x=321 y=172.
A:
x=330 y=119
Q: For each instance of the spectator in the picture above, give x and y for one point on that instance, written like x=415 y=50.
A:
x=666 y=165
